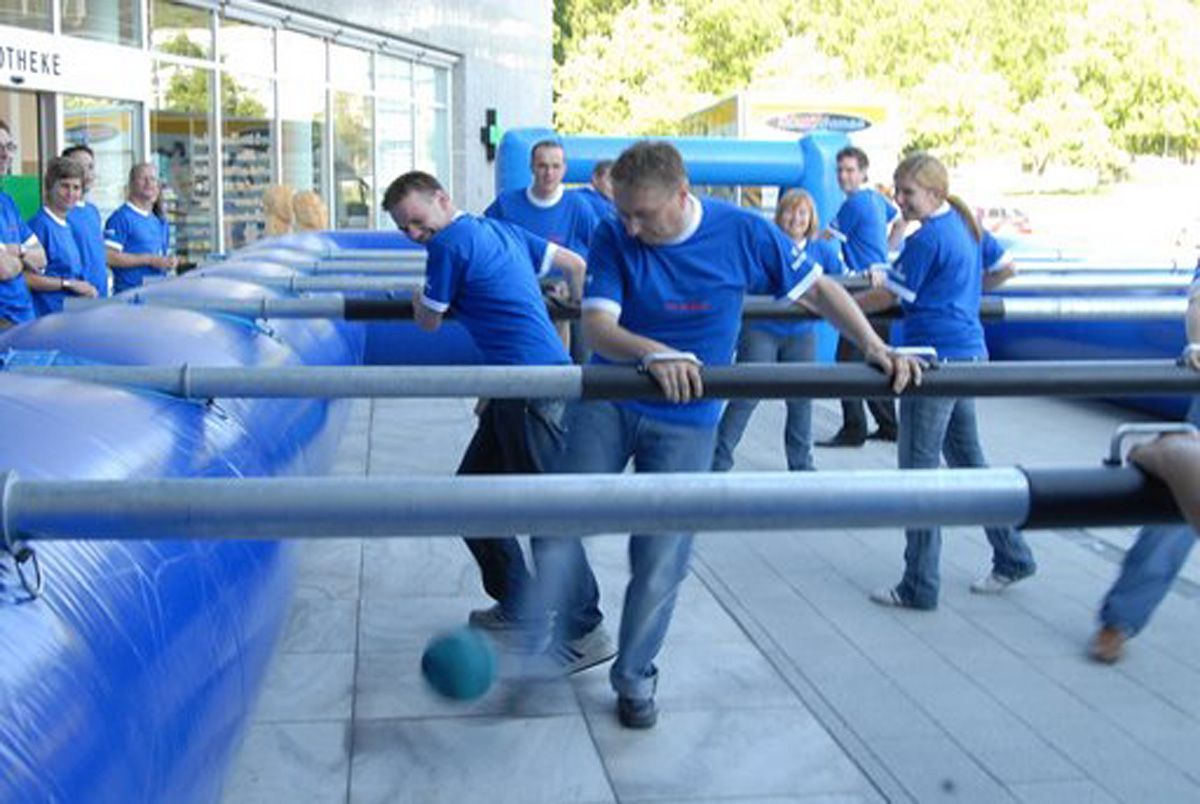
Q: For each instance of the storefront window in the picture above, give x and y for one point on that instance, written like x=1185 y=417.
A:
x=180 y=135
x=354 y=192
x=430 y=88
x=180 y=30
x=247 y=106
x=394 y=121
x=116 y=21
x=302 y=112
x=111 y=128
x=247 y=48
x=33 y=14
x=349 y=68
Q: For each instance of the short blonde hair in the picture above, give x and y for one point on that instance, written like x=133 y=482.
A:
x=793 y=199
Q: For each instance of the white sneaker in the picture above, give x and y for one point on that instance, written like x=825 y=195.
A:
x=994 y=583
x=493 y=619
x=593 y=648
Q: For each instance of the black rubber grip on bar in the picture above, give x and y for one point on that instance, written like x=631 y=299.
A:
x=377 y=309
x=1077 y=498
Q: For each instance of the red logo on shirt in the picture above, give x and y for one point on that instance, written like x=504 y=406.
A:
x=691 y=305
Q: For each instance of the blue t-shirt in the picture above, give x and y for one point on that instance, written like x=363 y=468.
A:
x=486 y=272
x=568 y=221
x=62 y=259
x=600 y=203
x=862 y=222
x=84 y=221
x=15 y=304
x=995 y=256
x=688 y=294
x=133 y=231
x=828 y=255
x=938 y=278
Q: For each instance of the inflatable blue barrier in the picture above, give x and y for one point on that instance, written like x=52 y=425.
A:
x=134 y=674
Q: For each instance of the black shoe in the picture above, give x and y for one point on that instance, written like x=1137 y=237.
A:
x=843 y=439
x=882 y=435
x=637 y=713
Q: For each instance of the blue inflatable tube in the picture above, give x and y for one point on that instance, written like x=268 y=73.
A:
x=133 y=676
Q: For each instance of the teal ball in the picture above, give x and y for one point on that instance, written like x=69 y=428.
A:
x=459 y=664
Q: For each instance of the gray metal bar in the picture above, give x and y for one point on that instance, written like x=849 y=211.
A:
x=339 y=283
x=992 y=308
x=319 y=307
x=409 y=269
x=743 y=381
x=332 y=382
x=398 y=255
x=321 y=508
x=1111 y=308
x=1097 y=281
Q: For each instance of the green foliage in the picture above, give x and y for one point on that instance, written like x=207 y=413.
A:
x=729 y=37
x=188 y=88
x=959 y=111
x=1061 y=126
x=611 y=85
x=1138 y=61
x=1072 y=82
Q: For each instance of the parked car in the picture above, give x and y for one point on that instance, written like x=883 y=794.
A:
x=1003 y=220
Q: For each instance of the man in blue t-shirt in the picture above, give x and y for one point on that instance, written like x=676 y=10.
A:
x=598 y=194
x=543 y=208
x=861 y=225
x=1156 y=558
x=86 y=223
x=20 y=250
x=664 y=292
x=485 y=271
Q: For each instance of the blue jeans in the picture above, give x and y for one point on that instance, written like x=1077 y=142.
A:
x=519 y=436
x=930 y=428
x=1149 y=568
x=601 y=438
x=757 y=346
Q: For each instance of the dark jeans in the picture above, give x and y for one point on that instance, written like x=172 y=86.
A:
x=854 y=418
x=516 y=436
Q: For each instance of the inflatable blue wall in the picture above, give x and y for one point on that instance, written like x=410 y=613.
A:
x=132 y=677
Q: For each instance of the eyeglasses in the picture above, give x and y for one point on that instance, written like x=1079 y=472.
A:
x=10 y=147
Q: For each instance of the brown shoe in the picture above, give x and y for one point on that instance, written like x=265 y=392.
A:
x=1108 y=646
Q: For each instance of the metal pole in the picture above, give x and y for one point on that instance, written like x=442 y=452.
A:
x=991 y=308
x=1080 y=281
x=335 y=283
x=323 y=508
x=1097 y=281
x=743 y=381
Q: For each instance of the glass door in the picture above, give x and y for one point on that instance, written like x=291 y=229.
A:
x=112 y=129
x=20 y=172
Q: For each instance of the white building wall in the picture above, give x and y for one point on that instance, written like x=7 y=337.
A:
x=506 y=62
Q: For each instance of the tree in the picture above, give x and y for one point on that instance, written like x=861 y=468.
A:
x=609 y=86
x=1062 y=127
x=1138 y=63
x=729 y=37
x=188 y=88
x=960 y=111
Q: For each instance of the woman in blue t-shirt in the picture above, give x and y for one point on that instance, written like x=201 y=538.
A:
x=782 y=342
x=63 y=275
x=137 y=236
x=937 y=280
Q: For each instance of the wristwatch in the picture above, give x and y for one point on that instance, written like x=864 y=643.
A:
x=65 y=284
